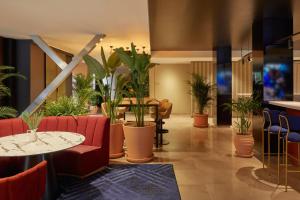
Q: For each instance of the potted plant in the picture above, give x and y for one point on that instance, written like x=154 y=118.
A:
x=5 y=73
x=84 y=92
x=32 y=121
x=139 y=134
x=243 y=140
x=111 y=90
x=201 y=90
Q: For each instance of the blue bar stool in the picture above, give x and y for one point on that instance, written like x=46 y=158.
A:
x=281 y=136
x=270 y=126
x=292 y=124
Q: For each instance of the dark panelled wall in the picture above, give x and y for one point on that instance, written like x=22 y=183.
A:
x=30 y=61
x=16 y=53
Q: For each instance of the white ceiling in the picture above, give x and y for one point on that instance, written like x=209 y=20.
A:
x=70 y=24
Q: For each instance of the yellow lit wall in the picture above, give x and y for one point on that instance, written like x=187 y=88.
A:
x=168 y=81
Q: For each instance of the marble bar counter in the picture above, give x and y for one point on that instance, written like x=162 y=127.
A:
x=295 y=105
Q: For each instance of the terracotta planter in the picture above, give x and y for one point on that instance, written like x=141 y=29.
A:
x=116 y=140
x=200 y=121
x=244 y=145
x=139 y=142
x=93 y=110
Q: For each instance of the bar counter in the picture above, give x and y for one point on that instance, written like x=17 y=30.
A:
x=288 y=105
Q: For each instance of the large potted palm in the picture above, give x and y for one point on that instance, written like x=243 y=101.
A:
x=5 y=73
x=111 y=87
x=243 y=140
x=201 y=90
x=138 y=134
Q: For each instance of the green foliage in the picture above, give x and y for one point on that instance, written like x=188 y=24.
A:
x=243 y=107
x=32 y=120
x=139 y=66
x=65 y=106
x=84 y=92
x=111 y=94
x=7 y=112
x=201 y=91
x=5 y=73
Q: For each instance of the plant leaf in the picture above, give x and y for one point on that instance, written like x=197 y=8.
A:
x=94 y=67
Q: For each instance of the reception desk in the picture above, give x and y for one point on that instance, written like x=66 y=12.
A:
x=293 y=109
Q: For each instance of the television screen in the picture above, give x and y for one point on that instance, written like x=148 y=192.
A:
x=277 y=78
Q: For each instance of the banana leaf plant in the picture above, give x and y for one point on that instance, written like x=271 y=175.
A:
x=110 y=83
x=6 y=73
x=139 y=65
x=243 y=106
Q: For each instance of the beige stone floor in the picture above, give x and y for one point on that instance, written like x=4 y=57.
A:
x=207 y=169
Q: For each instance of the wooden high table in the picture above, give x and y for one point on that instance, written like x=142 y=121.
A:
x=155 y=104
x=293 y=109
x=46 y=144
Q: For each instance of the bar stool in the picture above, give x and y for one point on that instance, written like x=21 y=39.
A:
x=281 y=136
x=292 y=123
x=270 y=126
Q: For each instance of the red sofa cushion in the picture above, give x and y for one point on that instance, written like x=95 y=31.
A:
x=28 y=185
x=12 y=165
x=80 y=160
x=87 y=157
x=12 y=126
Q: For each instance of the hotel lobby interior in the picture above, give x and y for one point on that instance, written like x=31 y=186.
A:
x=150 y=100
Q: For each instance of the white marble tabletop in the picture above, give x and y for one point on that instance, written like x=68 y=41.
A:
x=286 y=104
x=47 y=142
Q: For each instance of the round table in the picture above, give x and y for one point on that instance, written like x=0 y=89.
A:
x=41 y=149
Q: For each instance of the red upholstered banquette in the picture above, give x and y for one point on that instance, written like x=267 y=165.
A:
x=80 y=160
x=28 y=185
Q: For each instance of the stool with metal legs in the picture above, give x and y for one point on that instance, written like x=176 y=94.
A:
x=292 y=123
x=281 y=136
x=270 y=126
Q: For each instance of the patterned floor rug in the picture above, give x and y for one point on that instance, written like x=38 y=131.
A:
x=125 y=182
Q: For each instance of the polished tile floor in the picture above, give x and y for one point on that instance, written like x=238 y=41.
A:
x=207 y=169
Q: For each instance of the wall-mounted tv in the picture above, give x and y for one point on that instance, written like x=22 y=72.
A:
x=278 y=81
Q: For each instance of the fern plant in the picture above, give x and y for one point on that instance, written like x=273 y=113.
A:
x=5 y=73
x=65 y=106
x=201 y=90
x=7 y=112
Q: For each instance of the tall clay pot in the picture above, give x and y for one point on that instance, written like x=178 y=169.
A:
x=244 y=145
x=200 y=120
x=116 y=140
x=139 y=142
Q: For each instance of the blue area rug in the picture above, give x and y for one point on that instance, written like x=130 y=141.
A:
x=125 y=182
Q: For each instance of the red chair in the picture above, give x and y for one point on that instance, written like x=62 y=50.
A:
x=27 y=185
x=87 y=158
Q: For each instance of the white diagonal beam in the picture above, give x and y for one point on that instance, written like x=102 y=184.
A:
x=49 y=51
x=63 y=74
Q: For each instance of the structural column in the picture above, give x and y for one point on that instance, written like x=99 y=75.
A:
x=273 y=52
x=224 y=84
